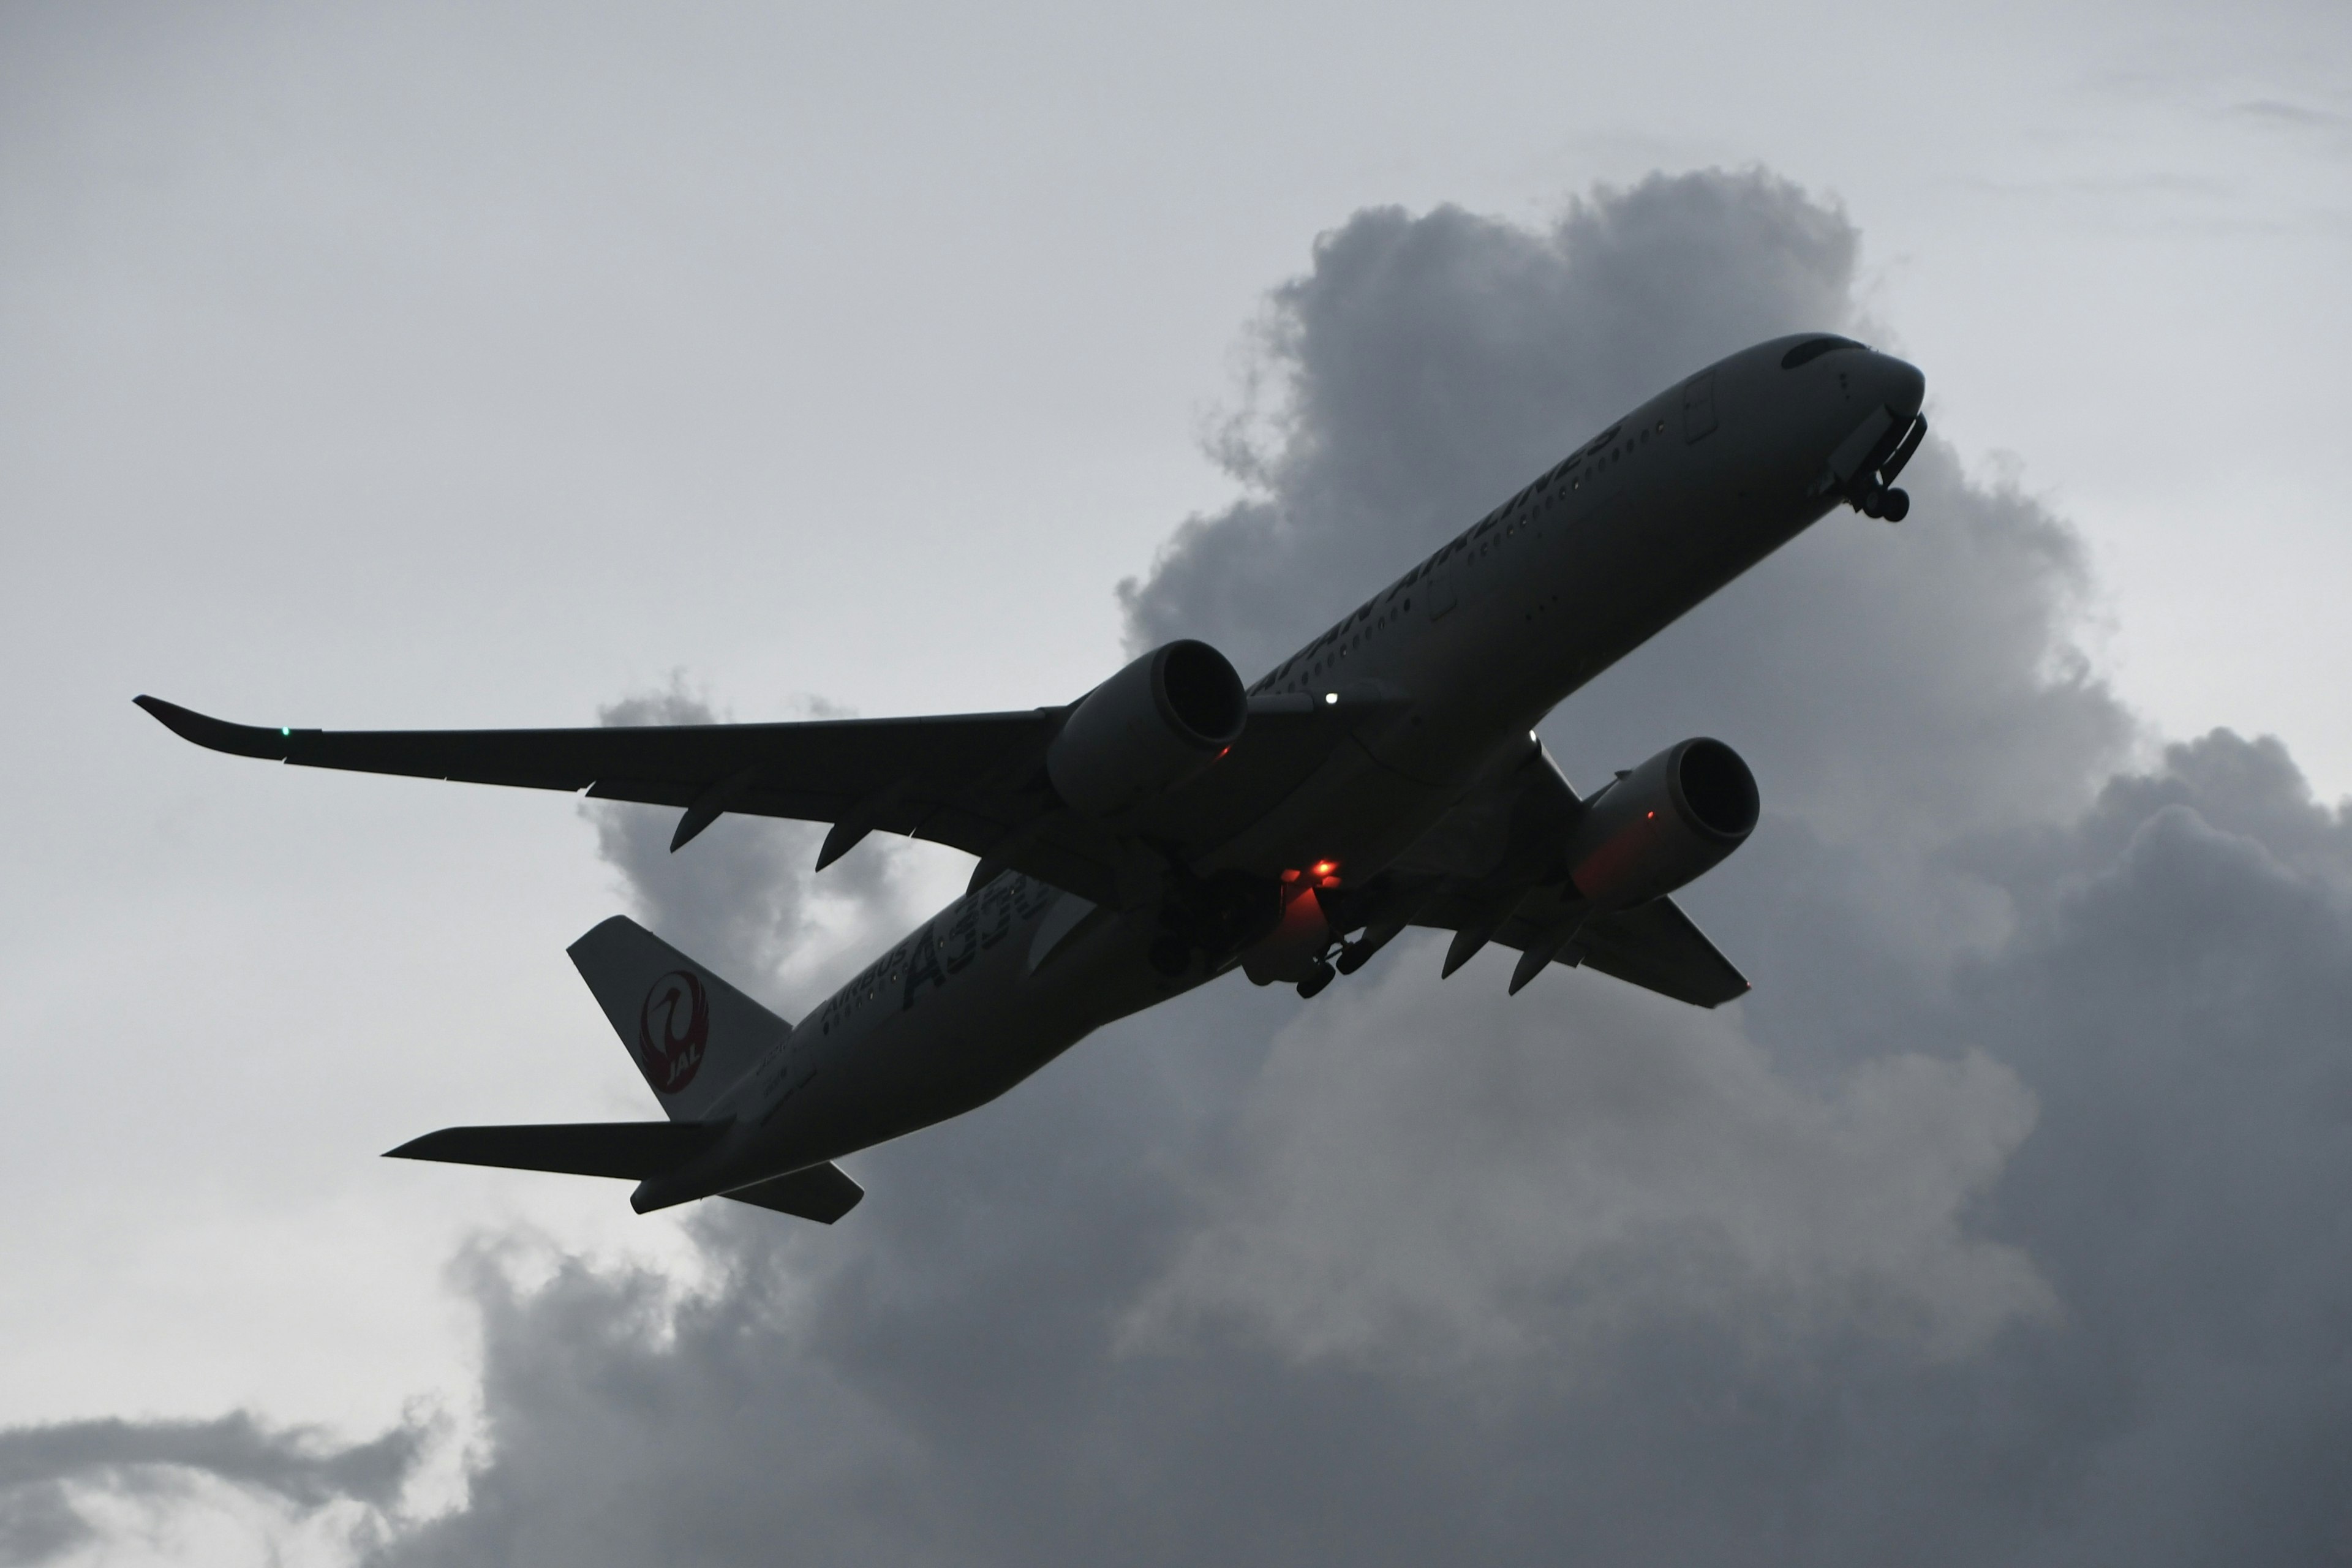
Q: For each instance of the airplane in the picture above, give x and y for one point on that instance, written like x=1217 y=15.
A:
x=1171 y=826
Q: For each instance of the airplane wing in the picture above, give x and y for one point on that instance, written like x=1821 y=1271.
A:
x=1479 y=873
x=974 y=782
x=1656 y=946
x=1653 y=945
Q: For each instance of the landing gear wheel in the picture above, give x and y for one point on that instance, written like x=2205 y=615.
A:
x=1352 y=958
x=1872 y=501
x=1896 y=507
x=1322 y=974
x=1170 y=955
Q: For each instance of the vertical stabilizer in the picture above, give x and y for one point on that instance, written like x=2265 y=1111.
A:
x=694 y=1035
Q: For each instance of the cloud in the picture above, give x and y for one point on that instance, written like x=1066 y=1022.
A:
x=47 y=1472
x=1997 y=1226
x=1428 y=365
x=2278 y=112
x=2000 y=1224
x=745 y=897
x=1444 y=1174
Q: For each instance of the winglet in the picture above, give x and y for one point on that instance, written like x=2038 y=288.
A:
x=219 y=734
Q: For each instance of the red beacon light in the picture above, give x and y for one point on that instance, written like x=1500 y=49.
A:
x=1326 y=873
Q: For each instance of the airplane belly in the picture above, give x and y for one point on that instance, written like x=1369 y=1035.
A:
x=934 y=1041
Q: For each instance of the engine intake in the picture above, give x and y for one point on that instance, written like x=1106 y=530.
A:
x=1147 y=729
x=1662 y=824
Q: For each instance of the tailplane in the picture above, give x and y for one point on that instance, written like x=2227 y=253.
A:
x=630 y=1150
x=691 y=1034
x=634 y=1150
x=695 y=1038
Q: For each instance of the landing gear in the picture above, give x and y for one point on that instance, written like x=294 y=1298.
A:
x=1873 y=490
x=1320 y=976
x=1891 y=504
x=1170 y=955
x=1354 y=955
x=1877 y=500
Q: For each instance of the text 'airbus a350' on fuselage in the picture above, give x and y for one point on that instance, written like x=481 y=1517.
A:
x=1171 y=826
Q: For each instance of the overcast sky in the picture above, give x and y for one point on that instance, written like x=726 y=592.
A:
x=404 y=365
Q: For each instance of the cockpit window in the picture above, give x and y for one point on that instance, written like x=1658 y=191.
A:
x=1813 y=349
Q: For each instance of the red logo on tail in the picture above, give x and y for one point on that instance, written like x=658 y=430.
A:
x=673 y=1052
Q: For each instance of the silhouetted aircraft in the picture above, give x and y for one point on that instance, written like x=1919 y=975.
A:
x=1170 y=826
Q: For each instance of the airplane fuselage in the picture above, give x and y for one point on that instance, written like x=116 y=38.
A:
x=1441 y=677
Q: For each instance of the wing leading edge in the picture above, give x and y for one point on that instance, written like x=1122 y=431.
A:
x=973 y=782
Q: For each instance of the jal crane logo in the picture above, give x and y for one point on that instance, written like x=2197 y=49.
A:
x=673 y=1026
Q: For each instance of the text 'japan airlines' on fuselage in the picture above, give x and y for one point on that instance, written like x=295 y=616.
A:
x=1169 y=827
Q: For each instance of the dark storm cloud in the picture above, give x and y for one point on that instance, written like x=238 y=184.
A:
x=44 y=1468
x=2000 y=1224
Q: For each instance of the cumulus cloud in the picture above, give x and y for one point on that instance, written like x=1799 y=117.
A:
x=1997 y=1226
x=1427 y=365
x=1445 y=1174
x=744 y=897
x=2000 y=1224
x=50 y=1475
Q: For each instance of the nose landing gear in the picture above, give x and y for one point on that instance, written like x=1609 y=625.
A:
x=1883 y=500
x=1873 y=492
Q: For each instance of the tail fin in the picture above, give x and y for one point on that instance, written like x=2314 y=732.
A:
x=694 y=1035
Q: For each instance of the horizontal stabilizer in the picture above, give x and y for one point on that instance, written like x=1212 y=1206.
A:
x=821 y=1192
x=630 y=1150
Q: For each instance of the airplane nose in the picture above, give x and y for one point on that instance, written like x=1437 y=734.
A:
x=1904 y=388
x=1901 y=388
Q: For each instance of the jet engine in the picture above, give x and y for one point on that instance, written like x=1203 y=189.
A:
x=1662 y=824
x=1147 y=729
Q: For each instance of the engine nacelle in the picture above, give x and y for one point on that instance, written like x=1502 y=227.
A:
x=1659 y=827
x=1147 y=729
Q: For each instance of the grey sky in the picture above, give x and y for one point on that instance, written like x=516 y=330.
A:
x=416 y=366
